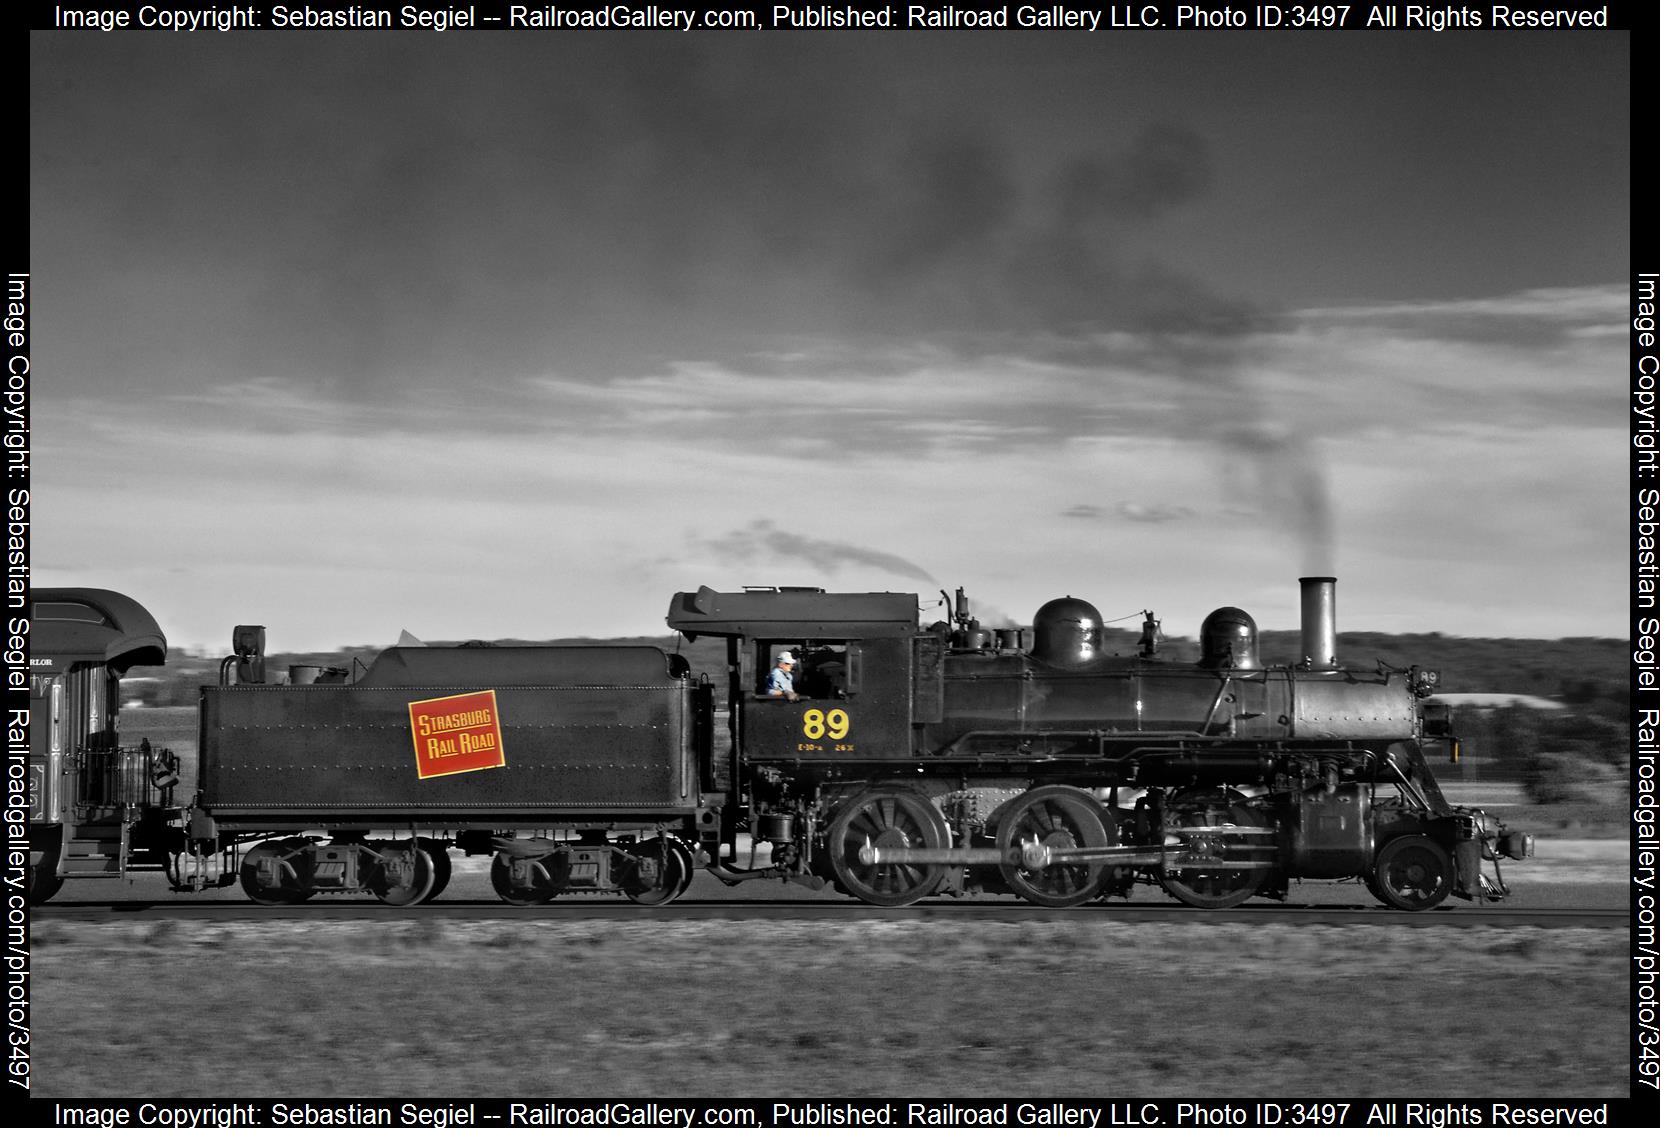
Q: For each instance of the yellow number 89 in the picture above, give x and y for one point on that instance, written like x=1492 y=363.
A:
x=816 y=723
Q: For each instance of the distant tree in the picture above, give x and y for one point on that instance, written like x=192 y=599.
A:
x=1574 y=773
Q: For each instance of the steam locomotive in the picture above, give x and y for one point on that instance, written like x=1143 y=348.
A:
x=898 y=762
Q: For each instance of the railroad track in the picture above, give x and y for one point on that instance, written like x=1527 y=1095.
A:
x=1458 y=916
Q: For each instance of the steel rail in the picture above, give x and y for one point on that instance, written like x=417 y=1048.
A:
x=1459 y=915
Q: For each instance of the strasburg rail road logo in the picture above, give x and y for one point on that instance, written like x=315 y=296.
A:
x=456 y=734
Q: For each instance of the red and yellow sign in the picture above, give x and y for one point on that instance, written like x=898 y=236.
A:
x=456 y=734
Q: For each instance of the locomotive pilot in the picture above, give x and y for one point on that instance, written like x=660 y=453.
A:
x=781 y=679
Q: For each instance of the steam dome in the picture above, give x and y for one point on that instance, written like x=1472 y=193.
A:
x=1067 y=632
x=1228 y=641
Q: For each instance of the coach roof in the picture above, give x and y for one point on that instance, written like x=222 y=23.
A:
x=69 y=625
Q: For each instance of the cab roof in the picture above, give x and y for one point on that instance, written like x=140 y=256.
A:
x=793 y=613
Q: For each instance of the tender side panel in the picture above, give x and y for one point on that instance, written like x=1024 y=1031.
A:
x=570 y=666
x=350 y=749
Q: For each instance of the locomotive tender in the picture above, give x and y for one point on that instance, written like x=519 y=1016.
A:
x=909 y=762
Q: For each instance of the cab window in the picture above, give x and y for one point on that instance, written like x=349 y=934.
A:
x=821 y=668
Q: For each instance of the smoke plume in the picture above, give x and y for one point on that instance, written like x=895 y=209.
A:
x=762 y=545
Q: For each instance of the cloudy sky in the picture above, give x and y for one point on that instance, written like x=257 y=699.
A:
x=502 y=335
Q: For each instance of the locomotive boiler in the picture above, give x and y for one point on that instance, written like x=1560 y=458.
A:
x=905 y=761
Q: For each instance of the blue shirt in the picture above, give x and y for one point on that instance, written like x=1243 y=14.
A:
x=780 y=683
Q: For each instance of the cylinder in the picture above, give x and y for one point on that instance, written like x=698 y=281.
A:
x=1319 y=622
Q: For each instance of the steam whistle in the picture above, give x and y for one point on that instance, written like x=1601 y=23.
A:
x=1149 y=635
x=967 y=634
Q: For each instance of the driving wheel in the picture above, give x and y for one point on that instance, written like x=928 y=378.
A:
x=886 y=817
x=1062 y=818
x=1204 y=871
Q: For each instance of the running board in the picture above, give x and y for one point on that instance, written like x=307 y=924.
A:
x=1036 y=856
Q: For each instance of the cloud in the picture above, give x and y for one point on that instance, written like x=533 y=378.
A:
x=952 y=196
x=1165 y=166
x=1571 y=305
x=1265 y=410
x=522 y=306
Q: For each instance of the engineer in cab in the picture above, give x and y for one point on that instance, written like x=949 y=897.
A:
x=781 y=678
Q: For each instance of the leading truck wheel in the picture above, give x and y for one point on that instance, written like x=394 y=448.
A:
x=893 y=817
x=1208 y=821
x=1412 y=873
x=1063 y=818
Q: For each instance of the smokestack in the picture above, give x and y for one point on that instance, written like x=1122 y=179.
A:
x=1319 y=622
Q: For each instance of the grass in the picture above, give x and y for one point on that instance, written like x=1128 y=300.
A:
x=1573 y=820
x=734 y=1009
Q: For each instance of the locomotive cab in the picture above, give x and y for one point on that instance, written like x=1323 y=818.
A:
x=854 y=703
x=852 y=673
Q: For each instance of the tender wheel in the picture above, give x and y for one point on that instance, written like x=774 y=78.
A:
x=886 y=816
x=1412 y=873
x=533 y=885
x=269 y=877
x=690 y=866
x=673 y=875
x=439 y=857
x=1188 y=880
x=44 y=881
x=1063 y=817
x=405 y=875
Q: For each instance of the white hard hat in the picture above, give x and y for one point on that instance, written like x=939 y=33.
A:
x=787 y=657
